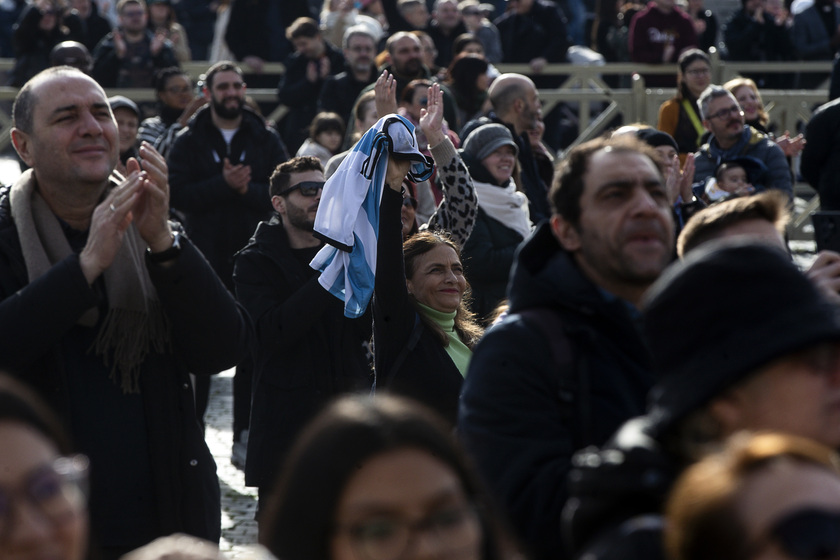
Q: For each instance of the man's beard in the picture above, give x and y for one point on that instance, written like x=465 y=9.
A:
x=412 y=67
x=226 y=112
x=299 y=218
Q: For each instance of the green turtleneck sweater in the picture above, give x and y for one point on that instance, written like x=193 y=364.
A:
x=458 y=352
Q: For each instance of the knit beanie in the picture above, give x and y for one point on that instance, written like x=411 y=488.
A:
x=488 y=138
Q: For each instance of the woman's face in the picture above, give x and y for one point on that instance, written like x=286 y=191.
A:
x=408 y=215
x=697 y=77
x=177 y=93
x=158 y=14
x=330 y=139
x=438 y=279
x=500 y=164
x=369 y=117
x=127 y=126
x=473 y=47
x=41 y=516
x=405 y=505
x=748 y=100
x=772 y=503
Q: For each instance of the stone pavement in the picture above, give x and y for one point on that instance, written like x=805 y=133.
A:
x=239 y=503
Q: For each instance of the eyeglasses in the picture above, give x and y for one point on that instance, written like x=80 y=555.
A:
x=723 y=113
x=808 y=533
x=57 y=491
x=471 y=13
x=133 y=13
x=699 y=72
x=307 y=188
x=386 y=538
x=410 y=201
x=177 y=90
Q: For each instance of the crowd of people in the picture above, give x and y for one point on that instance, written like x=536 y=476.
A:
x=448 y=339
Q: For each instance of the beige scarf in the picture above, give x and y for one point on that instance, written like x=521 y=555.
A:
x=135 y=322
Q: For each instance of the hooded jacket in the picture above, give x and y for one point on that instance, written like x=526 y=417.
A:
x=529 y=402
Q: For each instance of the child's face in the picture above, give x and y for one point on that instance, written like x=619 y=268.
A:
x=734 y=180
x=330 y=139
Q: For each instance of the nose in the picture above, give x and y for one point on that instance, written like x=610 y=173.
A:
x=644 y=202
x=422 y=545
x=90 y=125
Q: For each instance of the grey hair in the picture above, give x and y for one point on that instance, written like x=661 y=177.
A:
x=710 y=93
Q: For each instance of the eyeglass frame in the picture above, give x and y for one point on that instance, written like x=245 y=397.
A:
x=305 y=187
x=469 y=513
x=726 y=112
x=72 y=470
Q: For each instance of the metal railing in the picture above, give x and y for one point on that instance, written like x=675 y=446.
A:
x=584 y=87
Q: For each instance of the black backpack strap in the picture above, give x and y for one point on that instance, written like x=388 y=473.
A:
x=574 y=390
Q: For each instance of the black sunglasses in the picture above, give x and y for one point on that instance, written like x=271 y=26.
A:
x=410 y=201
x=809 y=533
x=307 y=188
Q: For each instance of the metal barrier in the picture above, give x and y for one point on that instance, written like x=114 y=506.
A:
x=597 y=104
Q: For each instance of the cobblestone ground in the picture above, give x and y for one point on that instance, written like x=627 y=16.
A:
x=239 y=503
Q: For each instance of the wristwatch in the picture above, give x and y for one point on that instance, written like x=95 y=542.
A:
x=168 y=254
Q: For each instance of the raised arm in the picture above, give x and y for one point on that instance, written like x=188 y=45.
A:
x=457 y=211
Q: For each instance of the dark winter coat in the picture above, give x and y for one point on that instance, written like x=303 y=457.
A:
x=220 y=220
x=301 y=96
x=820 y=163
x=426 y=373
x=529 y=402
x=39 y=345
x=541 y=33
x=111 y=71
x=307 y=351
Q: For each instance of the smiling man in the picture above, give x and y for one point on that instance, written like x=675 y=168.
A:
x=219 y=169
x=567 y=366
x=731 y=138
x=307 y=351
x=105 y=310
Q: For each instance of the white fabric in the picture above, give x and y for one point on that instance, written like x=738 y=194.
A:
x=505 y=205
x=348 y=213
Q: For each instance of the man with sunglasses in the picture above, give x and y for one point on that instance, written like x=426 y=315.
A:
x=731 y=138
x=307 y=351
x=741 y=341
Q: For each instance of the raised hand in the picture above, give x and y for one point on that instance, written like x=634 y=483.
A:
x=431 y=118
x=385 y=90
